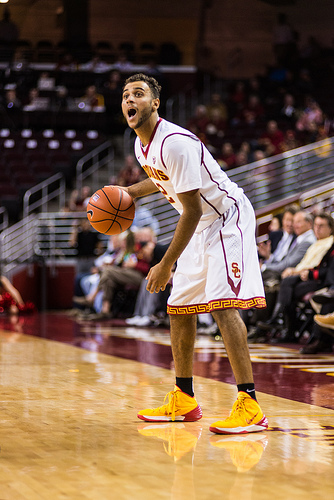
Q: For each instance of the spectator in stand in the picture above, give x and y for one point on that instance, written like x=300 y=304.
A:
x=147 y=304
x=67 y=63
x=96 y=65
x=289 y=142
x=312 y=114
x=132 y=269
x=308 y=275
x=226 y=158
x=45 y=81
x=277 y=250
x=11 y=301
x=86 y=283
x=275 y=223
x=241 y=158
x=322 y=133
x=152 y=68
x=122 y=63
x=216 y=103
x=321 y=336
x=130 y=173
x=285 y=255
x=61 y=100
x=114 y=82
x=289 y=111
x=35 y=102
x=271 y=139
x=11 y=101
x=280 y=240
x=259 y=155
x=199 y=122
x=215 y=131
x=92 y=100
x=246 y=148
x=252 y=112
x=87 y=244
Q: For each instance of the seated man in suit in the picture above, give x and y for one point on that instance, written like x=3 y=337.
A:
x=302 y=239
x=321 y=333
x=273 y=268
x=309 y=275
x=278 y=242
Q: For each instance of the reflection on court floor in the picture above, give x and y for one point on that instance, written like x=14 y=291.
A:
x=70 y=393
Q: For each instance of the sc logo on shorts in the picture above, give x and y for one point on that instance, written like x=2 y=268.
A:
x=235 y=270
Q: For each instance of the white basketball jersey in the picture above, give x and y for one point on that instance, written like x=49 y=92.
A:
x=177 y=162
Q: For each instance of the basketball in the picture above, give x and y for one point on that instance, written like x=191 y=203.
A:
x=110 y=210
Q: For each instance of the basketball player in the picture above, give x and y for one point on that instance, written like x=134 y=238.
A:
x=214 y=246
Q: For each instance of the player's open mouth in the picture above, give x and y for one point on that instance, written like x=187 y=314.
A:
x=132 y=112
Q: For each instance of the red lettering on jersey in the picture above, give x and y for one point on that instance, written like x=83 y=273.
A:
x=164 y=192
x=158 y=175
x=162 y=175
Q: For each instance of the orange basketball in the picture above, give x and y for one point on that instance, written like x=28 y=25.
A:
x=110 y=210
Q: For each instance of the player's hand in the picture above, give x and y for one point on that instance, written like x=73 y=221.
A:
x=158 y=277
x=120 y=187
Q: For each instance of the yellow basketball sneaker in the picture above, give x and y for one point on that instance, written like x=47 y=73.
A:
x=246 y=416
x=180 y=407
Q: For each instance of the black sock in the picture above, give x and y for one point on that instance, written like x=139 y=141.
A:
x=186 y=385
x=249 y=389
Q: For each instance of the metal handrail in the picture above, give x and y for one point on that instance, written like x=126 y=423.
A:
x=298 y=175
x=286 y=175
x=3 y=218
x=46 y=195
x=93 y=161
x=18 y=243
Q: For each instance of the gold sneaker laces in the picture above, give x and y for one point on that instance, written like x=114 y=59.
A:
x=170 y=407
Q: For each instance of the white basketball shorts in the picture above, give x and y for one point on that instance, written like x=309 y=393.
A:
x=219 y=268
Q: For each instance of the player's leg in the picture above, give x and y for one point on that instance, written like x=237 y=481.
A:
x=181 y=406
x=232 y=256
x=188 y=288
x=234 y=334
x=183 y=333
x=246 y=415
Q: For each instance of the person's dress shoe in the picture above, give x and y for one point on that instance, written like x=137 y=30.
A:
x=282 y=336
x=316 y=347
x=324 y=297
x=268 y=325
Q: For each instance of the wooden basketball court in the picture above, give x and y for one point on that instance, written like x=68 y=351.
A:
x=70 y=392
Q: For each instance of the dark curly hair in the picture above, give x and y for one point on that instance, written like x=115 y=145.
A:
x=151 y=82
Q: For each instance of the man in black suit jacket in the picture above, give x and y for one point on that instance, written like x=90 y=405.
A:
x=278 y=242
x=294 y=249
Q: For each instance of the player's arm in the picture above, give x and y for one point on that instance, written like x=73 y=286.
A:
x=142 y=188
x=159 y=275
